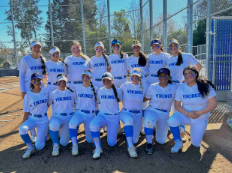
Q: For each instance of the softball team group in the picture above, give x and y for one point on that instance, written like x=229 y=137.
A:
x=88 y=90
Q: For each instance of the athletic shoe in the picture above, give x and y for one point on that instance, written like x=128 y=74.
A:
x=101 y=131
x=149 y=149
x=177 y=147
x=75 y=150
x=132 y=152
x=97 y=153
x=55 y=151
x=28 y=153
x=33 y=138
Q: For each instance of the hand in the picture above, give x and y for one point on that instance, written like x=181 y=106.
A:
x=23 y=94
x=192 y=115
x=197 y=113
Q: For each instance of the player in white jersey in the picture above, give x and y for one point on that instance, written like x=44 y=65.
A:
x=118 y=65
x=109 y=98
x=77 y=62
x=54 y=67
x=99 y=65
x=86 y=99
x=35 y=106
x=193 y=100
x=62 y=101
x=131 y=114
x=33 y=63
x=156 y=60
x=161 y=96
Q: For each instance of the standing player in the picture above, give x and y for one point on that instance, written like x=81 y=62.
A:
x=118 y=65
x=193 y=100
x=99 y=64
x=176 y=64
x=62 y=101
x=35 y=106
x=86 y=99
x=109 y=98
x=131 y=114
x=54 y=67
x=77 y=62
x=30 y=64
x=161 y=96
x=156 y=60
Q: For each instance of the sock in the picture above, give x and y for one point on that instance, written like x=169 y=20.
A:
x=73 y=135
x=175 y=132
x=129 y=135
x=27 y=140
x=96 y=139
x=149 y=134
x=55 y=137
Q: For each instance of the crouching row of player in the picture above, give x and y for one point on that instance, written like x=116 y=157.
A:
x=193 y=100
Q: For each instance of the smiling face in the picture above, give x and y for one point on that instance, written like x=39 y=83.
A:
x=61 y=85
x=136 y=49
x=163 y=78
x=36 y=49
x=36 y=82
x=116 y=48
x=99 y=49
x=107 y=83
x=56 y=56
x=174 y=48
x=75 y=49
x=135 y=79
x=85 y=78
x=156 y=48
x=190 y=76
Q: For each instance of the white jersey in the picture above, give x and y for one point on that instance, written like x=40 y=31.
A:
x=156 y=62
x=177 y=71
x=118 y=65
x=108 y=101
x=191 y=98
x=36 y=103
x=53 y=69
x=161 y=98
x=132 y=96
x=132 y=62
x=98 y=66
x=76 y=65
x=85 y=99
x=62 y=101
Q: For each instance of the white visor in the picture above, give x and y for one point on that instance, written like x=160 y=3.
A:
x=136 y=44
x=53 y=50
x=99 y=44
x=87 y=73
x=173 y=41
x=35 y=43
x=60 y=78
x=135 y=72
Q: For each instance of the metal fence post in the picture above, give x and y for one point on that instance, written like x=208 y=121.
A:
x=141 y=27
x=151 y=20
x=109 y=29
x=190 y=28
x=208 y=40
x=51 y=25
x=165 y=25
x=83 y=26
x=13 y=30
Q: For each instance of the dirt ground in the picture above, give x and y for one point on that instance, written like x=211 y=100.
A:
x=215 y=155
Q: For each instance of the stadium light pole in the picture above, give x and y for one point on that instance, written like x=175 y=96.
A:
x=165 y=25
x=190 y=28
x=151 y=20
x=109 y=29
x=208 y=45
x=51 y=25
x=13 y=30
x=141 y=26
x=83 y=26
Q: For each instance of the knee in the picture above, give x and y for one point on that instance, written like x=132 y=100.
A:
x=89 y=139
x=93 y=126
x=128 y=122
x=39 y=145
x=112 y=142
x=161 y=141
x=23 y=130
x=72 y=125
x=64 y=143
x=54 y=127
x=173 y=121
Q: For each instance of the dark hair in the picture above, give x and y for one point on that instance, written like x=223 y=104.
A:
x=60 y=58
x=66 y=86
x=161 y=48
x=202 y=82
x=180 y=58
x=115 y=92
x=104 y=56
x=91 y=85
x=32 y=86
x=142 y=59
x=122 y=54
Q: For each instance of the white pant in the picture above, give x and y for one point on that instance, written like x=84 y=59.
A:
x=61 y=123
x=155 y=118
x=197 y=129
x=131 y=119
x=42 y=129
x=119 y=82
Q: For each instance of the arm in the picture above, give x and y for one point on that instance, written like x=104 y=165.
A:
x=198 y=66
x=26 y=114
x=180 y=109
x=211 y=106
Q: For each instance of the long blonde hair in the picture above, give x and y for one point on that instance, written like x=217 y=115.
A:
x=74 y=42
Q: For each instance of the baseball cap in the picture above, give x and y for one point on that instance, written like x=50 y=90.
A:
x=107 y=75
x=60 y=78
x=53 y=50
x=99 y=44
x=163 y=70
x=87 y=73
x=173 y=41
x=36 y=76
x=135 y=72
x=155 y=42
x=116 y=42
x=136 y=43
x=35 y=43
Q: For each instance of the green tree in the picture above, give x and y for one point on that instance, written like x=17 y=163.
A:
x=121 y=23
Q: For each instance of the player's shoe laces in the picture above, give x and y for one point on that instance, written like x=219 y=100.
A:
x=55 y=151
x=132 y=152
x=75 y=150
x=149 y=149
x=177 y=147
x=28 y=153
x=97 y=153
x=33 y=138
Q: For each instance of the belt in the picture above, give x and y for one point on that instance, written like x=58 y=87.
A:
x=52 y=83
x=39 y=115
x=63 y=114
x=175 y=81
x=75 y=82
x=120 y=77
x=162 y=110
x=98 y=79
x=154 y=75
x=109 y=114
x=133 y=111
x=86 y=111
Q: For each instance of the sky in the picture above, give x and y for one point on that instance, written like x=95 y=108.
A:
x=115 y=5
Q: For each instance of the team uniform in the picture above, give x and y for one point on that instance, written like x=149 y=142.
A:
x=98 y=67
x=76 y=65
x=36 y=104
x=118 y=68
x=156 y=62
x=157 y=113
x=191 y=101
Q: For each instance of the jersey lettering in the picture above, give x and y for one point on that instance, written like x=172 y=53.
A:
x=190 y=96
x=35 y=67
x=40 y=102
x=85 y=95
x=134 y=92
x=99 y=64
x=164 y=96
x=56 y=70
x=172 y=64
x=156 y=62
x=135 y=65
x=78 y=63
x=63 y=98
x=118 y=61
x=108 y=97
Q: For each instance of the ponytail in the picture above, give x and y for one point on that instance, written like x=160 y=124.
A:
x=94 y=92
x=170 y=80
x=180 y=58
x=32 y=86
x=142 y=59
x=104 y=56
x=122 y=54
x=69 y=89
x=140 y=81
x=83 y=56
x=63 y=62
x=43 y=65
x=115 y=93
